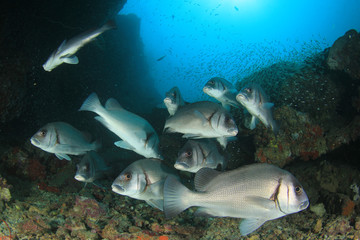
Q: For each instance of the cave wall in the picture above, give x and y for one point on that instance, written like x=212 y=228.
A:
x=113 y=65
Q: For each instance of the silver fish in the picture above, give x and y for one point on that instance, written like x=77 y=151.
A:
x=144 y=180
x=173 y=100
x=136 y=133
x=223 y=91
x=91 y=168
x=203 y=120
x=254 y=99
x=67 y=49
x=257 y=193
x=62 y=139
x=197 y=154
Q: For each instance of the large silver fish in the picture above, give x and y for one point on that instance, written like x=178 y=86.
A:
x=67 y=49
x=257 y=193
x=91 y=168
x=197 y=154
x=203 y=120
x=144 y=180
x=223 y=91
x=136 y=133
x=254 y=99
x=173 y=100
x=62 y=139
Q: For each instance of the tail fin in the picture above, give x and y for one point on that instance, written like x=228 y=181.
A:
x=92 y=104
x=96 y=145
x=111 y=24
x=175 y=197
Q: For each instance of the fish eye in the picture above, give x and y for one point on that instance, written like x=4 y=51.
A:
x=42 y=133
x=127 y=176
x=249 y=90
x=298 y=189
x=188 y=154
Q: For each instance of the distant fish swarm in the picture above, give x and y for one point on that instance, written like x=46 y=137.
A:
x=256 y=193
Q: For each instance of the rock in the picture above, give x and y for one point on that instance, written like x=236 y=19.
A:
x=318 y=226
x=318 y=209
x=5 y=194
x=344 y=55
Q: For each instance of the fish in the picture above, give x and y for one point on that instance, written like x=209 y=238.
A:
x=91 y=168
x=173 y=100
x=254 y=99
x=256 y=193
x=203 y=119
x=144 y=180
x=136 y=133
x=223 y=91
x=67 y=49
x=160 y=58
x=197 y=154
x=62 y=139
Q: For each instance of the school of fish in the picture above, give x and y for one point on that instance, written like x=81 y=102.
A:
x=255 y=193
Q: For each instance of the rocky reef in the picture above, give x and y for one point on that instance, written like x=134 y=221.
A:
x=316 y=106
x=344 y=55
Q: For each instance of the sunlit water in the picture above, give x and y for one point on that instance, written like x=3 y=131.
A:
x=201 y=39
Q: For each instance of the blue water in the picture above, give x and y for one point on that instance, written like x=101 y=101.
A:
x=201 y=39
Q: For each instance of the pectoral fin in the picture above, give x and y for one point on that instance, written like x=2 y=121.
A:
x=201 y=116
x=261 y=203
x=70 y=60
x=123 y=144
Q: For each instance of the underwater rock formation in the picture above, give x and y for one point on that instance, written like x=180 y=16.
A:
x=317 y=109
x=12 y=88
x=344 y=55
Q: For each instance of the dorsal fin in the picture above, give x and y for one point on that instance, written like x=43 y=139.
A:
x=61 y=47
x=112 y=104
x=203 y=177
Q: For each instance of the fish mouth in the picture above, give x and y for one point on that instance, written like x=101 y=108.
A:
x=181 y=165
x=206 y=89
x=117 y=188
x=80 y=178
x=35 y=141
x=46 y=68
x=241 y=97
x=304 y=205
x=233 y=132
x=167 y=100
